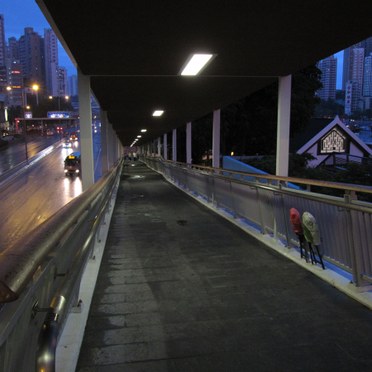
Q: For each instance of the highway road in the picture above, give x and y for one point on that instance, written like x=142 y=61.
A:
x=15 y=153
x=37 y=193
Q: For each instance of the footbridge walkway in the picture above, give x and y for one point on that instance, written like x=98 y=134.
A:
x=181 y=288
x=168 y=267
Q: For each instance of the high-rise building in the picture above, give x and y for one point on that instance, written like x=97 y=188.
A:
x=13 y=49
x=2 y=41
x=15 y=76
x=353 y=76
x=31 y=55
x=367 y=45
x=367 y=77
x=328 y=67
x=62 y=81
x=72 y=86
x=348 y=64
x=51 y=62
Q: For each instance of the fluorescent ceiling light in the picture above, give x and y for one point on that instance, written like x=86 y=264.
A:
x=143 y=130
x=195 y=64
x=158 y=113
x=138 y=137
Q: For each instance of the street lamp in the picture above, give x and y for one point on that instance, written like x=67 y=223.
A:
x=35 y=88
x=59 y=100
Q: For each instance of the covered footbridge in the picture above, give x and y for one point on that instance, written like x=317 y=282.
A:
x=198 y=268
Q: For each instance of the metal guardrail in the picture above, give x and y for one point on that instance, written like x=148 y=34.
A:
x=40 y=278
x=264 y=201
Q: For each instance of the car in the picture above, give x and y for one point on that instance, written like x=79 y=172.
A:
x=73 y=164
x=8 y=138
x=73 y=138
x=66 y=144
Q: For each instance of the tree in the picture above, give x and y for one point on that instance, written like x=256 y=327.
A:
x=329 y=108
x=249 y=125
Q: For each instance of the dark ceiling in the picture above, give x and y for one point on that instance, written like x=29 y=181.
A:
x=134 y=50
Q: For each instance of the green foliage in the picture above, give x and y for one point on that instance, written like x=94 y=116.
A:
x=352 y=173
x=296 y=167
x=202 y=138
x=249 y=125
x=329 y=108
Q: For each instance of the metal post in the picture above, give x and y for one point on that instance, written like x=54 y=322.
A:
x=174 y=145
x=25 y=131
x=216 y=139
x=86 y=136
x=188 y=143
x=284 y=111
x=165 y=147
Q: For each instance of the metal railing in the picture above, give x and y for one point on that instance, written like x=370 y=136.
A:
x=264 y=201
x=40 y=278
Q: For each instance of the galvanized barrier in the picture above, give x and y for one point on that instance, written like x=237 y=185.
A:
x=264 y=201
x=40 y=278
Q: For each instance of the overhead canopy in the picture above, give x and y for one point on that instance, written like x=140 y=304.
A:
x=134 y=50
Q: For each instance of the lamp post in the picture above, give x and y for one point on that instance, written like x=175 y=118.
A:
x=59 y=100
x=59 y=109
x=35 y=88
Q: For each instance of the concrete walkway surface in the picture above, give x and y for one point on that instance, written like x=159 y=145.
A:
x=181 y=289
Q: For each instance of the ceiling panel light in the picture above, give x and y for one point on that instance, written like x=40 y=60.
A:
x=195 y=64
x=139 y=136
x=143 y=130
x=158 y=113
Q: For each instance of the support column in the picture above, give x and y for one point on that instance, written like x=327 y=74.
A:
x=109 y=146
x=165 y=146
x=159 y=147
x=174 y=145
x=104 y=144
x=216 y=139
x=188 y=143
x=86 y=137
x=283 y=126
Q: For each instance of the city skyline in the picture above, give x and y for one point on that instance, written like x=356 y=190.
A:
x=19 y=14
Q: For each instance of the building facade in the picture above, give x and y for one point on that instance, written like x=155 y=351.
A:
x=328 y=67
x=32 y=58
x=51 y=62
x=335 y=142
x=2 y=41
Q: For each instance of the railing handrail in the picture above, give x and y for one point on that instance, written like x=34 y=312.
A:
x=20 y=262
x=48 y=339
x=264 y=207
x=347 y=187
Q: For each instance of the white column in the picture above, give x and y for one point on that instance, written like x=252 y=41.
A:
x=174 y=145
x=159 y=147
x=216 y=139
x=109 y=145
x=86 y=137
x=188 y=143
x=165 y=147
x=104 y=144
x=283 y=126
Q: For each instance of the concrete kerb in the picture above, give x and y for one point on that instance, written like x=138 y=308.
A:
x=71 y=339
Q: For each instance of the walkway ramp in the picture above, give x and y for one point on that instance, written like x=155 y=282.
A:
x=181 y=289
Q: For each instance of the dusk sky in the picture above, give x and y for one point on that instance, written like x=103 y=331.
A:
x=19 y=14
